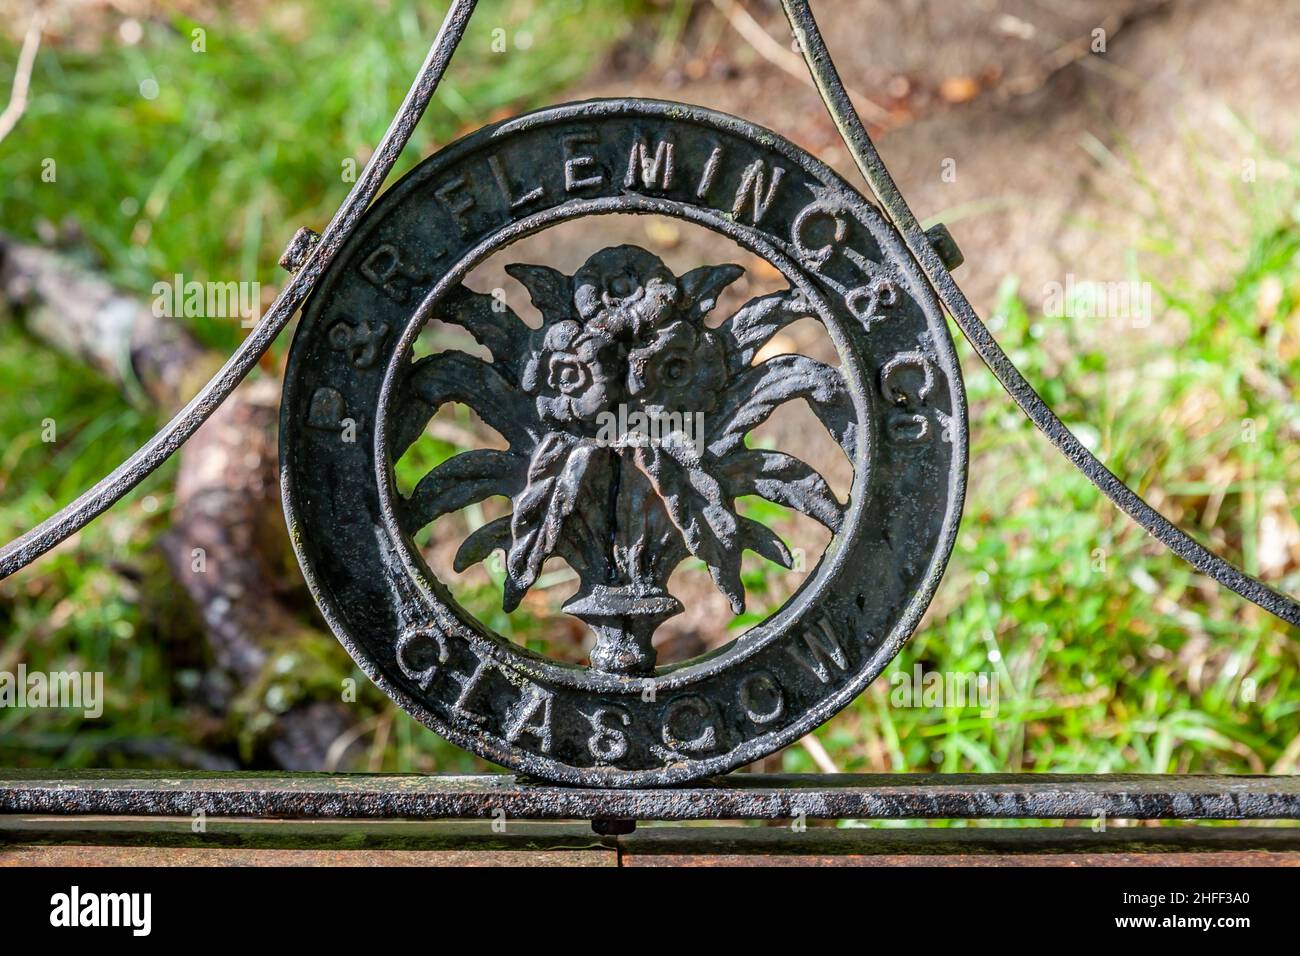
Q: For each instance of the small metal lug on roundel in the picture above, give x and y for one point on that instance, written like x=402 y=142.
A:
x=296 y=252
x=946 y=246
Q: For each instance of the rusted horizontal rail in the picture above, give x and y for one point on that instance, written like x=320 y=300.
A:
x=736 y=797
x=172 y=841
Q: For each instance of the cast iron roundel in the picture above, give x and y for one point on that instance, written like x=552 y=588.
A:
x=623 y=336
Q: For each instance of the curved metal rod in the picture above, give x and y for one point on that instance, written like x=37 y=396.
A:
x=75 y=516
x=882 y=184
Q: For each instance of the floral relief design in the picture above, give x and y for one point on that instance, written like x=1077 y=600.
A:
x=568 y=374
x=623 y=335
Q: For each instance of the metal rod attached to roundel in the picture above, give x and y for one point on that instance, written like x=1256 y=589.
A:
x=624 y=339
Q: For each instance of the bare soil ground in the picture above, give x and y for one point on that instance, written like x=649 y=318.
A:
x=1045 y=135
x=1064 y=161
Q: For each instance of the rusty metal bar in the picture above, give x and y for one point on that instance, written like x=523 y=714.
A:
x=741 y=796
x=172 y=841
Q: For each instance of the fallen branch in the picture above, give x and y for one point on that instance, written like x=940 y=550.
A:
x=819 y=755
x=227 y=526
x=22 y=77
x=1079 y=50
x=743 y=22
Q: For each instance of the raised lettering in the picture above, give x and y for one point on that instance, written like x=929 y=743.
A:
x=907 y=429
x=891 y=370
x=762 y=698
x=814 y=257
x=454 y=195
x=468 y=687
x=573 y=182
x=686 y=725
x=361 y=341
x=608 y=744
x=502 y=176
x=822 y=651
x=534 y=702
x=419 y=654
x=384 y=269
x=755 y=191
x=326 y=410
x=907 y=424
x=710 y=172
x=647 y=172
x=868 y=302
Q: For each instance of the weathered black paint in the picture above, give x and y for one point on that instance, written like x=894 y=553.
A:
x=738 y=796
x=354 y=401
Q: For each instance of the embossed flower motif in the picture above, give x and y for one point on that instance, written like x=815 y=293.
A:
x=625 y=331
x=566 y=371
x=625 y=291
x=682 y=368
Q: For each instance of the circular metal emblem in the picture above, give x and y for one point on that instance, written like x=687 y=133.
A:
x=625 y=415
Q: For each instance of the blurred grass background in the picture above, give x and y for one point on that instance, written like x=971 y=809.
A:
x=1111 y=655
x=201 y=179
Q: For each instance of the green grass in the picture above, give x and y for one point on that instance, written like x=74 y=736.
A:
x=1111 y=655
x=242 y=143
